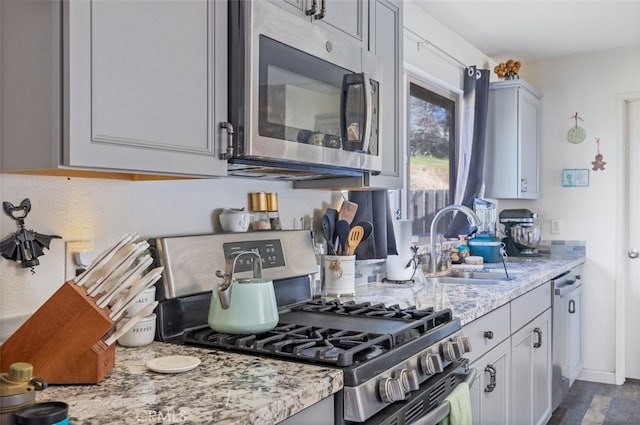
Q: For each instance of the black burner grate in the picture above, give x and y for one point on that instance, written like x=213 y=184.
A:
x=334 y=346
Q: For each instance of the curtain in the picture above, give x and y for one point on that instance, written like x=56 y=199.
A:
x=475 y=103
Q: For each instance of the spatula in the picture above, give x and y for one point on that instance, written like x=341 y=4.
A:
x=327 y=232
x=355 y=236
x=347 y=211
x=342 y=233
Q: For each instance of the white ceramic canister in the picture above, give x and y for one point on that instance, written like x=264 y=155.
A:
x=146 y=297
x=142 y=333
x=339 y=274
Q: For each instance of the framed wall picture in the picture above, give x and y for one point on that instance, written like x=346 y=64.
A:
x=575 y=177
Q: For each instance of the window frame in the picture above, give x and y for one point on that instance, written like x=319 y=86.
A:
x=432 y=84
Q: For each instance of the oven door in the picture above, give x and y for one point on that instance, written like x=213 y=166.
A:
x=437 y=415
x=304 y=97
x=427 y=405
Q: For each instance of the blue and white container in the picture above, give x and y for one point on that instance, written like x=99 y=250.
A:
x=487 y=247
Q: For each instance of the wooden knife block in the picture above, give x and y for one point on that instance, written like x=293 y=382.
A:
x=63 y=339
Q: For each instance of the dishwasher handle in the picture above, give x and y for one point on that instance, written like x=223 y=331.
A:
x=438 y=414
x=566 y=289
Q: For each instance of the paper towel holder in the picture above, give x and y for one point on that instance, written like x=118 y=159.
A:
x=414 y=261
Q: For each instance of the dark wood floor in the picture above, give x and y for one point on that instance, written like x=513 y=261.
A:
x=589 y=403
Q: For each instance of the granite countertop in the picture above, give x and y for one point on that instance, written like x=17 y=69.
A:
x=467 y=301
x=230 y=388
x=226 y=388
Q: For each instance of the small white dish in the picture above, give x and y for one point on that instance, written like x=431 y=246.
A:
x=173 y=364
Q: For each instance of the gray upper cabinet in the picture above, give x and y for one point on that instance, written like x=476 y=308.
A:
x=386 y=43
x=513 y=141
x=140 y=89
x=345 y=17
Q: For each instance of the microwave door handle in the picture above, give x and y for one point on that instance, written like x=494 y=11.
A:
x=365 y=132
x=368 y=112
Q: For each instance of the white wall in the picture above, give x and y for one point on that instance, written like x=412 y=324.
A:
x=420 y=26
x=62 y=206
x=587 y=84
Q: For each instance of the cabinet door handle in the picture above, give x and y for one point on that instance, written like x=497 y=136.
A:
x=523 y=185
x=538 y=344
x=488 y=334
x=228 y=151
x=323 y=10
x=312 y=10
x=572 y=306
x=492 y=378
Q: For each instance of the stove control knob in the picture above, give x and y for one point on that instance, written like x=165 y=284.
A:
x=465 y=343
x=431 y=364
x=408 y=379
x=390 y=390
x=452 y=350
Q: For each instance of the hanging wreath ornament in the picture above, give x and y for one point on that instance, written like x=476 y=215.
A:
x=576 y=134
x=598 y=164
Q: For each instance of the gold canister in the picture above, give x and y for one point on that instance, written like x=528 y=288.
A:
x=258 y=201
x=272 y=201
x=260 y=217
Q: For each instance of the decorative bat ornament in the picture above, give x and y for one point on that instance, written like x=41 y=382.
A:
x=24 y=246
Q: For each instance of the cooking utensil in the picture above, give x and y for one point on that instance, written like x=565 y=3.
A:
x=103 y=258
x=342 y=231
x=125 y=281
x=348 y=210
x=355 y=236
x=367 y=227
x=327 y=232
x=120 y=267
x=136 y=289
x=243 y=306
x=147 y=310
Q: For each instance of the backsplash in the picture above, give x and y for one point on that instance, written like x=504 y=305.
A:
x=64 y=206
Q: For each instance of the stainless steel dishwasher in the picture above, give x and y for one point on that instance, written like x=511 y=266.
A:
x=567 y=332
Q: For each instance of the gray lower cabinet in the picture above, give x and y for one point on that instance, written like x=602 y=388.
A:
x=491 y=389
x=135 y=87
x=491 y=360
x=531 y=358
x=511 y=355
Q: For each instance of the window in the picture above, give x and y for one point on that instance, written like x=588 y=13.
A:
x=431 y=150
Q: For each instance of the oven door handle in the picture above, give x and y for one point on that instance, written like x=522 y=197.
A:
x=442 y=411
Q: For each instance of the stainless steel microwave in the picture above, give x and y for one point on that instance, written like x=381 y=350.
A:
x=303 y=103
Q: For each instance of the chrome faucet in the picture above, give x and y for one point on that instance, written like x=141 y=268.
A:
x=471 y=216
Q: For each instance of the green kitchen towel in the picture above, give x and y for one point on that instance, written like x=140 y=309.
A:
x=460 y=402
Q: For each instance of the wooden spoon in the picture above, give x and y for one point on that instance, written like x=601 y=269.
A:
x=355 y=236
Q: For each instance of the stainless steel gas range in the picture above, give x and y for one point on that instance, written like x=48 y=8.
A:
x=399 y=364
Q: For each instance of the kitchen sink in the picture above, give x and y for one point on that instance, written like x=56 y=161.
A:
x=464 y=280
x=485 y=275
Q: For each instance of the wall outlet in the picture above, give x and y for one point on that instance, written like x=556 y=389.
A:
x=555 y=226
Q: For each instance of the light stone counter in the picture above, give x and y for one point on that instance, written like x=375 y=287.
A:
x=226 y=388
x=468 y=302
x=230 y=388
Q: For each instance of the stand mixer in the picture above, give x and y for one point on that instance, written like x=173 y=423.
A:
x=522 y=232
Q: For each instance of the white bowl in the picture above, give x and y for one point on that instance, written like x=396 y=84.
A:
x=146 y=297
x=142 y=333
x=235 y=220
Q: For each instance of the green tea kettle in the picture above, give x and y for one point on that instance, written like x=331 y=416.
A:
x=243 y=306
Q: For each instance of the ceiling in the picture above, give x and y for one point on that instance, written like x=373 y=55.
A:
x=536 y=30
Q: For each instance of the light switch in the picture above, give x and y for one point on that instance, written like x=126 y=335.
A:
x=555 y=226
